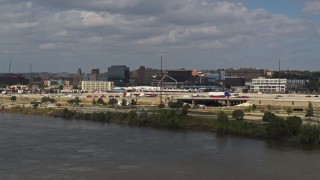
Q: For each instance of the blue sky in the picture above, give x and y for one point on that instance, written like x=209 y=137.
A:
x=287 y=7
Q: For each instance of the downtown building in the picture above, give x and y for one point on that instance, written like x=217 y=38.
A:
x=119 y=74
x=265 y=85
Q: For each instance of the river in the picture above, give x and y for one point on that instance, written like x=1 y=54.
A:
x=35 y=147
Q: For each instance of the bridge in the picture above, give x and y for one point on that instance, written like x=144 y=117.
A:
x=216 y=102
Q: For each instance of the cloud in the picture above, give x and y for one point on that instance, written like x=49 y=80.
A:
x=133 y=32
x=312 y=8
x=48 y=46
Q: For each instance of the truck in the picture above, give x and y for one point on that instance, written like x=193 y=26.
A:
x=217 y=94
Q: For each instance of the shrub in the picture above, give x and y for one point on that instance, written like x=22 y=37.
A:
x=276 y=128
x=254 y=107
x=143 y=117
x=67 y=114
x=161 y=105
x=268 y=116
x=222 y=117
x=133 y=102
x=112 y=102
x=308 y=134
x=100 y=101
x=98 y=116
x=185 y=109
x=238 y=114
x=289 y=110
x=124 y=102
x=293 y=125
x=132 y=117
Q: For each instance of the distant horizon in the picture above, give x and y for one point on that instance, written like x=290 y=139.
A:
x=88 y=72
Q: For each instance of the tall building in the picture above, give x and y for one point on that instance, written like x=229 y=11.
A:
x=78 y=77
x=94 y=74
x=181 y=75
x=119 y=74
x=144 y=76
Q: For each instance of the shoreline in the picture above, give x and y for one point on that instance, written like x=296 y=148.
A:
x=166 y=119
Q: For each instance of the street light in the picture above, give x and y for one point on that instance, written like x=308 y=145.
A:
x=161 y=55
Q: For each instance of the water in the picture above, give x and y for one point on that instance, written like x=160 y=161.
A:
x=33 y=147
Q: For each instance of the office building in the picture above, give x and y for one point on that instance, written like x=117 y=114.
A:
x=119 y=74
x=268 y=85
x=181 y=75
x=97 y=86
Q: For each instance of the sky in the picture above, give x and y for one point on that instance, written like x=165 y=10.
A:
x=62 y=36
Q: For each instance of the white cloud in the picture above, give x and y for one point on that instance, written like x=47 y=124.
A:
x=48 y=46
x=131 y=29
x=312 y=8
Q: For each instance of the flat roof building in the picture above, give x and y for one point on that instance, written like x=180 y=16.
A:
x=97 y=86
x=268 y=85
x=119 y=74
x=181 y=75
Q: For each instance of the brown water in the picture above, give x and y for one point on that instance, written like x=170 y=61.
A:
x=33 y=147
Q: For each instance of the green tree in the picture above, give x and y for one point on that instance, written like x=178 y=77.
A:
x=313 y=86
x=269 y=107
x=100 y=101
x=254 y=107
x=13 y=98
x=276 y=128
x=222 y=117
x=175 y=105
x=289 y=110
x=48 y=99
x=161 y=105
x=113 y=102
x=179 y=104
x=308 y=134
x=94 y=102
x=268 y=116
x=133 y=102
x=238 y=114
x=45 y=99
x=76 y=101
x=51 y=100
x=310 y=110
x=293 y=125
x=124 y=102
x=185 y=109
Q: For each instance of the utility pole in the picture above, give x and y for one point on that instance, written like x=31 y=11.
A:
x=279 y=78
x=161 y=74
x=10 y=68
x=30 y=76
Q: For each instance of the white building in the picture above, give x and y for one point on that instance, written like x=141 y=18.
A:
x=97 y=86
x=268 y=85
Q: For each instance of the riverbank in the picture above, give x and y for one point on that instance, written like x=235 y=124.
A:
x=277 y=129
